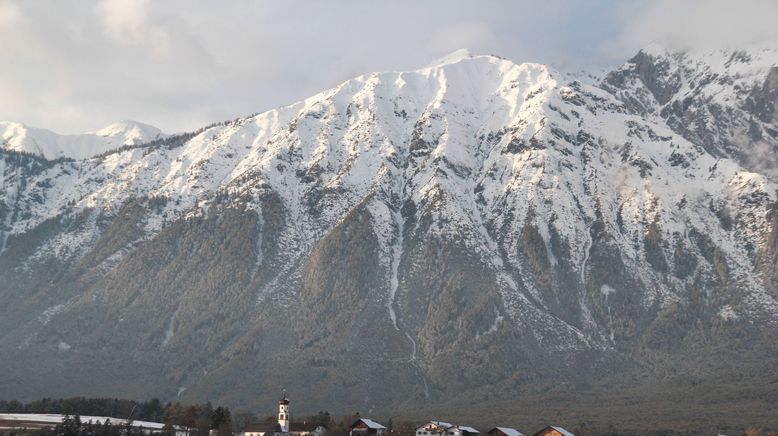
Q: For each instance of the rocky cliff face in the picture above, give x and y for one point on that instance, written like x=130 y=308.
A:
x=724 y=101
x=476 y=226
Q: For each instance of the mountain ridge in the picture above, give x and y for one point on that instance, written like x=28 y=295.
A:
x=49 y=145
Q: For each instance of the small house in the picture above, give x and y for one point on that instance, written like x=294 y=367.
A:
x=366 y=427
x=434 y=428
x=303 y=429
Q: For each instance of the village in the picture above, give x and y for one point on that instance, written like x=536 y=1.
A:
x=21 y=424
x=368 y=427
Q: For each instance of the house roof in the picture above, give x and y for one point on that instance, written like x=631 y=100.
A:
x=441 y=424
x=369 y=423
x=563 y=431
x=508 y=431
x=559 y=429
x=447 y=425
x=267 y=427
x=272 y=427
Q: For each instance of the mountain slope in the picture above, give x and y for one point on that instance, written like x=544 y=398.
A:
x=477 y=225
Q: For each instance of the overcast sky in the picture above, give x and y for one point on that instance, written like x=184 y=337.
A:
x=77 y=65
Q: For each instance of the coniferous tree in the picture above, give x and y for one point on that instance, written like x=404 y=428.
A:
x=221 y=417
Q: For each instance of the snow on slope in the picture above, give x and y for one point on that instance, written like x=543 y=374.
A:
x=725 y=77
x=481 y=144
x=731 y=70
x=723 y=100
x=22 y=138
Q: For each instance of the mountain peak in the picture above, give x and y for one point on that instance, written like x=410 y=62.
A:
x=131 y=130
x=452 y=58
x=656 y=50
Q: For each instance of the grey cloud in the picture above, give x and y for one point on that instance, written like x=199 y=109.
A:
x=74 y=66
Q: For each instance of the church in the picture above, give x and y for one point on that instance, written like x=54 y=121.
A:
x=284 y=426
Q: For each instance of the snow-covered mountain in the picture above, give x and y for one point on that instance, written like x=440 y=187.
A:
x=477 y=225
x=723 y=100
x=50 y=145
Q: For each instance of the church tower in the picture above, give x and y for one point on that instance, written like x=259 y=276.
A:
x=283 y=414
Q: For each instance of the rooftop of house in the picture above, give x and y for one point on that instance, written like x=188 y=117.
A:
x=369 y=423
x=508 y=431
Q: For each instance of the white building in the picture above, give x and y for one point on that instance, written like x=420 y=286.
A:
x=442 y=428
x=283 y=414
x=284 y=426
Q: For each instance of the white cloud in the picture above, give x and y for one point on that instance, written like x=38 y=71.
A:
x=9 y=14
x=464 y=34
x=124 y=20
x=702 y=24
x=129 y=22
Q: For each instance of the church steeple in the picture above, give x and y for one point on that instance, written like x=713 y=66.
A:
x=283 y=414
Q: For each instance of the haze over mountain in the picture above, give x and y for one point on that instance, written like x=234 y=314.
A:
x=477 y=226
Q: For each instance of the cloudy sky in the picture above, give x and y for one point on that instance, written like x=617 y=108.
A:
x=77 y=65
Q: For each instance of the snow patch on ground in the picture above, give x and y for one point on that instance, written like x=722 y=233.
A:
x=606 y=290
x=498 y=320
x=727 y=313
x=171 y=330
x=47 y=314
